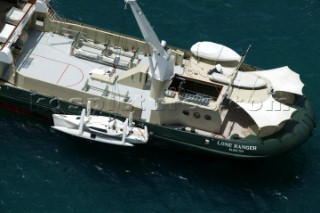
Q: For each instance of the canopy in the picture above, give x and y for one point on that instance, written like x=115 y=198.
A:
x=283 y=79
x=267 y=113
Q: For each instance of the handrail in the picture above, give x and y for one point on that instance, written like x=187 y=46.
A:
x=8 y=39
x=53 y=13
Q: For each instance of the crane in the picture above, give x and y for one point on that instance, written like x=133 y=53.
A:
x=162 y=70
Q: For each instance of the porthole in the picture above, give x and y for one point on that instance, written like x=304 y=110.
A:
x=207 y=141
x=207 y=117
x=185 y=112
x=196 y=115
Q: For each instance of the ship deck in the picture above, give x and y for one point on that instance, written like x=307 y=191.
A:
x=46 y=57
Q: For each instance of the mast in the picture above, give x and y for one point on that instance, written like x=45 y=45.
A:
x=162 y=70
x=235 y=72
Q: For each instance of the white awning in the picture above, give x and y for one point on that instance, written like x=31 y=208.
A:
x=267 y=113
x=283 y=79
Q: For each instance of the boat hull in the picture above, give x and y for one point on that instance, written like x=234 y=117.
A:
x=58 y=120
x=90 y=136
x=102 y=129
x=295 y=133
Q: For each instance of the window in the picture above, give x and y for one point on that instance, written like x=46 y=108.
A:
x=196 y=115
x=185 y=112
x=207 y=117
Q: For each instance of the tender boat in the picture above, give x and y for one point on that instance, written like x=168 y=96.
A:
x=213 y=51
x=203 y=99
x=102 y=129
x=236 y=78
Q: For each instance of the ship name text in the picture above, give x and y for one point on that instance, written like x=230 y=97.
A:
x=237 y=147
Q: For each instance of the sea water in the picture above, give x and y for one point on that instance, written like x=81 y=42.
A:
x=43 y=171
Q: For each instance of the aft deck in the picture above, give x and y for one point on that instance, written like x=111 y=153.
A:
x=46 y=57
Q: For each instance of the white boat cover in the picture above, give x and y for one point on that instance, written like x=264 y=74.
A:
x=242 y=79
x=14 y=15
x=283 y=79
x=214 y=51
x=267 y=113
x=6 y=32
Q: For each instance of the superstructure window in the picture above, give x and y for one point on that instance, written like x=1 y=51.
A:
x=207 y=117
x=196 y=115
x=185 y=112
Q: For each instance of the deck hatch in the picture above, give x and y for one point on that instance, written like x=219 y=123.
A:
x=195 y=88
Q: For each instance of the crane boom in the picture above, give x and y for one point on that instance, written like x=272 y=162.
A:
x=147 y=31
x=163 y=68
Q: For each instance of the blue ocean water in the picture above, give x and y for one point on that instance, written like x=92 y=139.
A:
x=41 y=171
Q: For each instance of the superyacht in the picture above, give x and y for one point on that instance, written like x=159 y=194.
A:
x=202 y=99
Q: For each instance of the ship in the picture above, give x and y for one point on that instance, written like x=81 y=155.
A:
x=205 y=99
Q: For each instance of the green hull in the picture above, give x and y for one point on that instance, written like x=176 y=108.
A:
x=295 y=133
